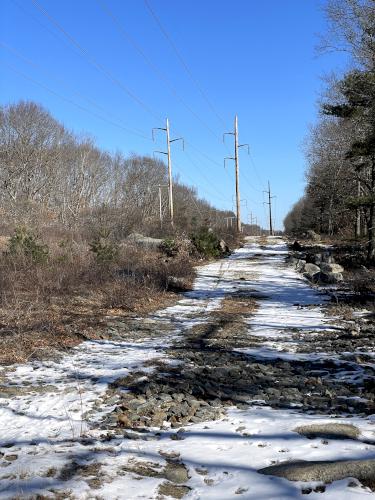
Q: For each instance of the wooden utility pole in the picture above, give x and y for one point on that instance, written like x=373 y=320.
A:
x=238 y=199
x=168 y=154
x=269 y=203
x=237 y=171
x=170 y=184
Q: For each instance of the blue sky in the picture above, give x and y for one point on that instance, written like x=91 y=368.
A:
x=253 y=58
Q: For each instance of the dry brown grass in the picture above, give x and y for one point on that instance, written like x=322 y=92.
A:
x=58 y=303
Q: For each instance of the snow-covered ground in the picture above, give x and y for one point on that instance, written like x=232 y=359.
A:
x=48 y=443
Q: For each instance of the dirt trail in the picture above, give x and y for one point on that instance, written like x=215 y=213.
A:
x=193 y=401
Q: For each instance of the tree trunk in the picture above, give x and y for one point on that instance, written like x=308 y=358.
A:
x=371 y=234
x=371 y=219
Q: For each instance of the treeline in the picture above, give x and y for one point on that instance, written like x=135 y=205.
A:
x=67 y=209
x=339 y=198
x=51 y=178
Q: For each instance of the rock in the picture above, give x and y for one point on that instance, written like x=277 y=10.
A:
x=317 y=259
x=312 y=235
x=173 y=491
x=326 y=471
x=331 y=268
x=292 y=260
x=124 y=421
x=176 y=472
x=144 y=241
x=223 y=247
x=330 y=278
x=297 y=246
x=311 y=270
x=300 y=264
x=329 y=431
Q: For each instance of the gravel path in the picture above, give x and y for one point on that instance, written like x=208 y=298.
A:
x=193 y=401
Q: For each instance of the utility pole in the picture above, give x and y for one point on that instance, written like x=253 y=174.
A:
x=236 y=163
x=269 y=203
x=168 y=154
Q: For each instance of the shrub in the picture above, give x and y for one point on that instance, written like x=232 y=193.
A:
x=103 y=248
x=169 y=247
x=206 y=242
x=25 y=243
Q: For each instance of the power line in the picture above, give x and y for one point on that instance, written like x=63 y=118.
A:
x=183 y=62
x=103 y=70
x=76 y=92
x=72 y=102
x=93 y=61
x=261 y=180
x=100 y=68
x=161 y=75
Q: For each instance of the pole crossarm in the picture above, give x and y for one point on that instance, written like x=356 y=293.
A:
x=156 y=128
x=227 y=158
x=179 y=139
x=245 y=145
x=227 y=133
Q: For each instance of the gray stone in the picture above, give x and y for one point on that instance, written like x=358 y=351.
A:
x=311 y=270
x=223 y=247
x=176 y=472
x=329 y=430
x=326 y=471
x=300 y=265
x=331 y=268
x=330 y=278
x=318 y=259
x=144 y=241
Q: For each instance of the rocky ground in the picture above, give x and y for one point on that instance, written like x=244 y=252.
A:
x=220 y=396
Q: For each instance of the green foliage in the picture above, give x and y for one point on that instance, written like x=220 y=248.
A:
x=24 y=242
x=169 y=247
x=363 y=201
x=103 y=248
x=206 y=242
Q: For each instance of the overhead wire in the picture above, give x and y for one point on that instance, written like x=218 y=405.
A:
x=154 y=68
x=74 y=91
x=182 y=61
x=66 y=99
x=188 y=71
x=161 y=75
x=101 y=68
x=93 y=61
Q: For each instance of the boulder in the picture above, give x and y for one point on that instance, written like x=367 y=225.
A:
x=330 y=278
x=331 y=268
x=326 y=471
x=145 y=241
x=223 y=247
x=300 y=265
x=329 y=430
x=311 y=270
